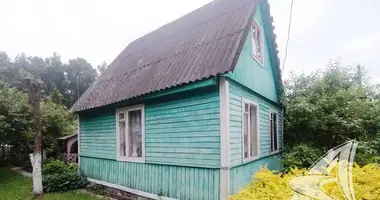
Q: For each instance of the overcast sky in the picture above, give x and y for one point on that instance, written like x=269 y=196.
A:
x=98 y=30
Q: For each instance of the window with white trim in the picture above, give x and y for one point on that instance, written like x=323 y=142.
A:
x=274 y=146
x=131 y=133
x=257 y=42
x=251 y=137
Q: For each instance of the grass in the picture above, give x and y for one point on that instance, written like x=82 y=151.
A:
x=14 y=186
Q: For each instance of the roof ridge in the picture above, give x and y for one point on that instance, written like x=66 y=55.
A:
x=173 y=55
x=173 y=35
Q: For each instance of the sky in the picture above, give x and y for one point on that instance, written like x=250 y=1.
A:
x=98 y=30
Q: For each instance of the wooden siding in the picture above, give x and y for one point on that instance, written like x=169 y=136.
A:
x=184 y=131
x=98 y=135
x=170 y=181
x=241 y=175
x=179 y=131
x=237 y=93
x=250 y=72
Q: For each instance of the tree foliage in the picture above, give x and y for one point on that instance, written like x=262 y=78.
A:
x=329 y=107
x=63 y=81
x=61 y=85
x=15 y=122
x=102 y=67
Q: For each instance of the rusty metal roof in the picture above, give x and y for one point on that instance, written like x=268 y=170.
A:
x=199 y=45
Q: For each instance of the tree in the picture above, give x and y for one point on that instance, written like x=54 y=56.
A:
x=102 y=67
x=53 y=75
x=330 y=107
x=79 y=76
x=63 y=82
x=14 y=122
x=35 y=158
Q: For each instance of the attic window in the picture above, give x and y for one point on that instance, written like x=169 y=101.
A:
x=257 y=42
x=130 y=133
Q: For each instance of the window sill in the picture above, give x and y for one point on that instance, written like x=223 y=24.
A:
x=258 y=61
x=275 y=152
x=248 y=160
x=130 y=159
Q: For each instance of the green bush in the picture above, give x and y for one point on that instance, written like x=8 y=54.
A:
x=60 y=176
x=368 y=152
x=63 y=182
x=301 y=156
x=58 y=167
x=271 y=185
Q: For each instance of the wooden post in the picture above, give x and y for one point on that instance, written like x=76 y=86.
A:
x=35 y=158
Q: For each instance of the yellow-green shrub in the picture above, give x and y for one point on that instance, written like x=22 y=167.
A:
x=271 y=185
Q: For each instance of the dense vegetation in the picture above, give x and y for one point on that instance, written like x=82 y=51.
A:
x=61 y=83
x=275 y=186
x=60 y=176
x=327 y=108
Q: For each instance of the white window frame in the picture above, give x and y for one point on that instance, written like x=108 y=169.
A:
x=125 y=110
x=249 y=159
x=270 y=132
x=256 y=24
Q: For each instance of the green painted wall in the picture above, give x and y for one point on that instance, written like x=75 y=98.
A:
x=98 y=134
x=184 y=131
x=252 y=74
x=239 y=92
x=179 y=130
x=241 y=175
x=182 y=146
x=171 y=181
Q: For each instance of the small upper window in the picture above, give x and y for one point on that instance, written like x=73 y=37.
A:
x=251 y=135
x=257 y=42
x=130 y=133
x=274 y=147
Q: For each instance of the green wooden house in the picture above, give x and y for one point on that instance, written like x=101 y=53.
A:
x=190 y=110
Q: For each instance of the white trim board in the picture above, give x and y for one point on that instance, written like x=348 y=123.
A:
x=224 y=138
x=133 y=191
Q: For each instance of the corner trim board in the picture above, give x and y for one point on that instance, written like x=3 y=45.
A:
x=224 y=139
x=78 y=121
x=133 y=191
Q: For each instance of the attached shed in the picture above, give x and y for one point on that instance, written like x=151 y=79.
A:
x=69 y=146
x=190 y=110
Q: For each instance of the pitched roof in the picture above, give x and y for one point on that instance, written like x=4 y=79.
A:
x=67 y=136
x=199 y=45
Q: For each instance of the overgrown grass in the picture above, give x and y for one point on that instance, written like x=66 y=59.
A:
x=14 y=186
